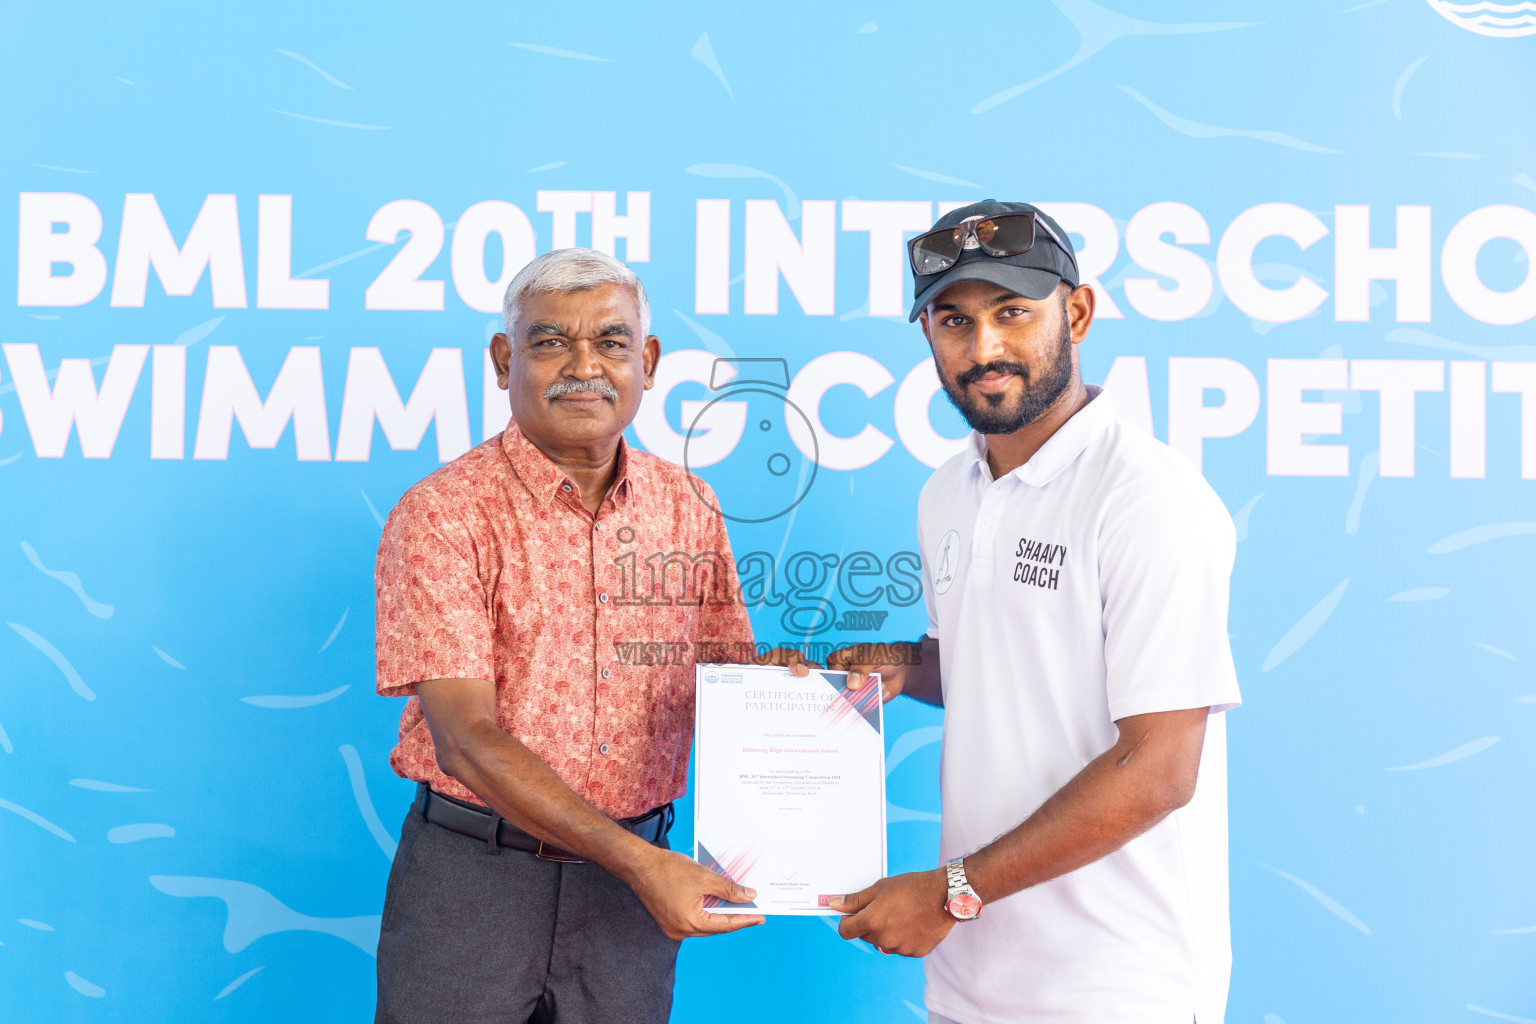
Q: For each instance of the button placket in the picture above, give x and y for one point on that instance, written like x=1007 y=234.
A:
x=985 y=532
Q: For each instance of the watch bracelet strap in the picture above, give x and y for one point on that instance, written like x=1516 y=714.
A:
x=955 y=873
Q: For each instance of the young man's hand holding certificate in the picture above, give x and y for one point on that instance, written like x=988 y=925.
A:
x=790 y=791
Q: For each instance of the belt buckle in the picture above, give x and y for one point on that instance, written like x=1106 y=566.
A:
x=562 y=858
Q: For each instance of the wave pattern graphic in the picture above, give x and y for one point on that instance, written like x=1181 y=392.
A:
x=247 y=976
x=348 y=258
x=1496 y=1015
x=1196 y=130
x=52 y=654
x=1308 y=625
x=84 y=987
x=5 y=741
x=1423 y=339
x=554 y=51
x=1480 y=535
x=333 y=124
x=1504 y=21
x=910 y=742
x=942 y=179
x=704 y=53
x=1370 y=464
x=1097 y=27
x=711 y=341
x=1462 y=752
x=192 y=335
x=372 y=511
x=1421 y=594
x=167 y=658
x=135 y=833
x=282 y=701
x=70 y=580
x=791 y=201
x=36 y=819
x=1241 y=516
x=1327 y=902
x=255 y=913
x=335 y=632
x=317 y=69
x=106 y=787
x=1402 y=83
x=1497 y=651
x=365 y=802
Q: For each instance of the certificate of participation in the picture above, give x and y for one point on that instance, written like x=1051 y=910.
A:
x=789 y=797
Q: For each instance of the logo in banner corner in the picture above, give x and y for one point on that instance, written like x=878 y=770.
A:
x=944 y=557
x=1502 y=21
x=711 y=676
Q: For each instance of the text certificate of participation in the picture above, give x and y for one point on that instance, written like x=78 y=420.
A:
x=789 y=792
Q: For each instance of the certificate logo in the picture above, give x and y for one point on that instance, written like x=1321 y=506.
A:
x=944 y=558
x=1505 y=21
x=711 y=676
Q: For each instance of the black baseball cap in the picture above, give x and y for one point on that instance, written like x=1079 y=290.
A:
x=1033 y=273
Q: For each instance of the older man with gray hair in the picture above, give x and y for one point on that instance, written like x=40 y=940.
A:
x=533 y=881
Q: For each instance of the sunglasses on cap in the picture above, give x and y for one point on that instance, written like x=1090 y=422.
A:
x=1005 y=234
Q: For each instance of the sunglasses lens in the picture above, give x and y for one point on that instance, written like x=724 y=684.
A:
x=937 y=251
x=1007 y=235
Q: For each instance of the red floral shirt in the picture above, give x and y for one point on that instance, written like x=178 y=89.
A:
x=491 y=568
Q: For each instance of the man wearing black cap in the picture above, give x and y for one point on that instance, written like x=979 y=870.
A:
x=1076 y=579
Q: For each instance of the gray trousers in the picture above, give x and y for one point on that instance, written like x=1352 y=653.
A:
x=470 y=935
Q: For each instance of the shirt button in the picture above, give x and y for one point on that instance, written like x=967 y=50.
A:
x=566 y=488
x=603 y=749
x=602 y=598
x=986 y=522
x=597 y=526
x=606 y=673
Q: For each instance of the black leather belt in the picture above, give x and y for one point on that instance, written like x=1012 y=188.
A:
x=482 y=823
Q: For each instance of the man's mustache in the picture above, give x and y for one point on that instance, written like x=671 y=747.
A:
x=975 y=373
x=570 y=387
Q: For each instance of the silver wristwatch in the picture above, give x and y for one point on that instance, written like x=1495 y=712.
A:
x=963 y=904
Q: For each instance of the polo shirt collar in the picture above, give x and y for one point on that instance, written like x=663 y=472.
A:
x=542 y=477
x=1061 y=449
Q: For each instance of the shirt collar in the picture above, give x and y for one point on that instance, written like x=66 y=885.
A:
x=542 y=477
x=1060 y=449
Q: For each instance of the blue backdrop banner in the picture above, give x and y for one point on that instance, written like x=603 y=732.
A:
x=251 y=257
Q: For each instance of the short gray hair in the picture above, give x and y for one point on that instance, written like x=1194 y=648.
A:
x=571 y=270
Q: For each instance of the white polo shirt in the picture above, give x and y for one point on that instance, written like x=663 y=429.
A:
x=1088 y=585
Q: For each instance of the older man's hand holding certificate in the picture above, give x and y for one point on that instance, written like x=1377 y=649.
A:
x=790 y=791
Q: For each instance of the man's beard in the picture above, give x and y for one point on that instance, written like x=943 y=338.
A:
x=986 y=414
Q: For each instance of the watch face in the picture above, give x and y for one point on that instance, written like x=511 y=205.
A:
x=963 y=906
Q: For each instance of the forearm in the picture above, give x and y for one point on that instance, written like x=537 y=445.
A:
x=1115 y=798
x=921 y=680
x=524 y=790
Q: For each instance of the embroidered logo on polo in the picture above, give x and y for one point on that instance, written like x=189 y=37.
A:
x=944 y=559
x=1039 y=563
